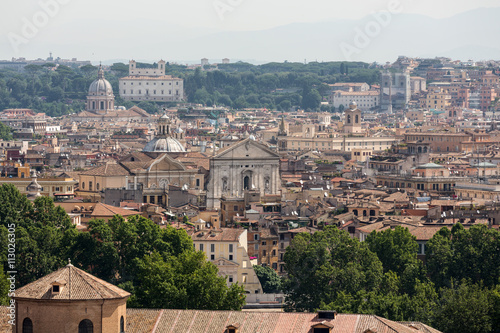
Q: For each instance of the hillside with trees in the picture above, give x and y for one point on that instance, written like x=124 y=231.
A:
x=62 y=90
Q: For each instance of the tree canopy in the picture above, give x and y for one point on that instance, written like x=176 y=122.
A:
x=135 y=253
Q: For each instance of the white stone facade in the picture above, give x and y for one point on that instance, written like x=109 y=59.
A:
x=245 y=165
x=150 y=84
x=365 y=99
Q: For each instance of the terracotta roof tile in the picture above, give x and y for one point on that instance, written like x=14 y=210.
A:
x=80 y=286
x=107 y=170
x=103 y=210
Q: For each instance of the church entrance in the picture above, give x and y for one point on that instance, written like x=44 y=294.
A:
x=246 y=183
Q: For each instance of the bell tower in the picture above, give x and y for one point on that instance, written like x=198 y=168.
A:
x=352 y=119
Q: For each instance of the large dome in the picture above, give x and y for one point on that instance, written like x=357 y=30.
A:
x=164 y=145
x=101 y=86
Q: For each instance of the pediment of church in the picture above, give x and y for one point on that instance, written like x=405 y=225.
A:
x=166 y=163
x=224 y=262
x=246 y=149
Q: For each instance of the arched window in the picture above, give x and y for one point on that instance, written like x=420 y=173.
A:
x=348 y=119
x=246 y=183
x=356 y=119
x=86 y=326
x=122 y=325
x=27 y=325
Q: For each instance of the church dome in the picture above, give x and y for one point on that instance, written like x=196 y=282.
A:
x=163 y=141
x=164 y=145
x=101 y=86
x=353 y=105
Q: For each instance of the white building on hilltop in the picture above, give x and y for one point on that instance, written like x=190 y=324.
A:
x=151 y=84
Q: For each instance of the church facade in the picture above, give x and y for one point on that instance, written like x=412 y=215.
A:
x=243 y=166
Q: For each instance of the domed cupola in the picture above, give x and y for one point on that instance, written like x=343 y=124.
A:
x=163 y=141
x=100 y=98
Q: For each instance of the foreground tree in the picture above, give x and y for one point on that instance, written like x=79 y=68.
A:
x=184 y=282
x=465 y=307
x=461 y=253
x=269 y=279
x=325 y=266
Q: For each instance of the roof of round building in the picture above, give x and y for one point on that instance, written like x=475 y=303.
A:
x=100 y=86
x=164 y=145
x=74 y=284
x=430 y=166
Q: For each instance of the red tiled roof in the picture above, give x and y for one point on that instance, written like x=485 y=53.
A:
x=104 y=210
x=193 y=321
x=78 y=285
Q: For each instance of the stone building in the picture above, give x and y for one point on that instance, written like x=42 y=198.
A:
x=151 y=84
x=70 y=300
x=245 y=165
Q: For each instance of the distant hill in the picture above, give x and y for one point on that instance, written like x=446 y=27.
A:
x=471 y=34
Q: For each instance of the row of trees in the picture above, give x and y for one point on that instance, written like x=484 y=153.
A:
x=130 y=253
x=63 y=90
x=457 y=290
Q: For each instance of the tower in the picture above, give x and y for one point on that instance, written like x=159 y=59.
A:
x=352 y=119
x=282 y=142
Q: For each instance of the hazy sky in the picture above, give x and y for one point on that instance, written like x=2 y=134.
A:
x=72 y=26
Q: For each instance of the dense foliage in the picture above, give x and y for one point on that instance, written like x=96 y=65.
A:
x=269 y=279
x=458 y=290
x=5 y=132
x=136 y=254
x=62 y=90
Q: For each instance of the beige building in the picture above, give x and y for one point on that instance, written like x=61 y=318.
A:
x=228 y=250
x=438 y=98
x=150 y=84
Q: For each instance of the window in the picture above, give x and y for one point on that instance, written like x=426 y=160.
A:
x=235 y=208
x=264 y=253
x=275 y=266
x=27 y=325
x=212 y=257
x=274 y=242
x=264 y=243
x=83 y=186
x=230 y=278
x=256 y=247
x=212 y=247
x=231 y=257
x=122 y=325
x=85 y=326
x=197 y=182
x=96 y=186
x=201 y=247
x=230 y=247
x=90 y=186
x=256 y=237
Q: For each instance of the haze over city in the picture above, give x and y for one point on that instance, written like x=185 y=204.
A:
x=254 y=31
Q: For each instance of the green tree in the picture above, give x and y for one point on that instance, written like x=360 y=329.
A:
x=464 y=254
x=5 y=132
x=464 y=308
x=4 y=288
x=184 y=282
x=397 y=250
x=325 y=265
x=269 y=279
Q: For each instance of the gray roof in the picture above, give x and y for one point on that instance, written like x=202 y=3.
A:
x=164 y=145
